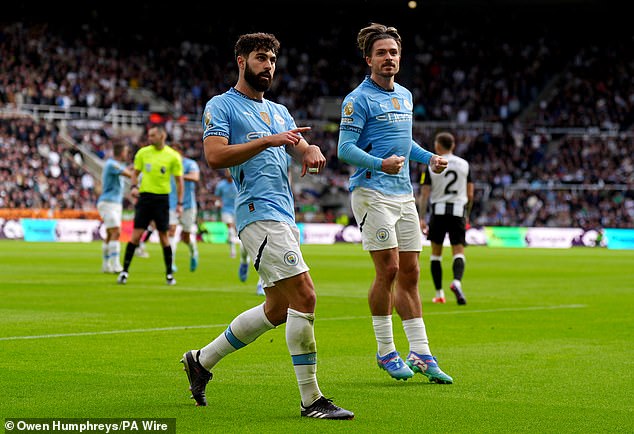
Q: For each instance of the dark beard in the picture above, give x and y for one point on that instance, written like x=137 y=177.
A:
x=260 y=84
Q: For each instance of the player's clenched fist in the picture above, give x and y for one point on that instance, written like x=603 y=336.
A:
x=437 y=164
x=392 y=165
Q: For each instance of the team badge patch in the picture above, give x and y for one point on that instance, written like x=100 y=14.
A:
x=348 y=109
x=382 y=234
x=148 y=167
x=396 y=104
x=163 y=170
x=291 y=258
x=265 y=117
x=207 y=118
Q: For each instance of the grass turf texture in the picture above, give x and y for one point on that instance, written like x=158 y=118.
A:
x=544 y=344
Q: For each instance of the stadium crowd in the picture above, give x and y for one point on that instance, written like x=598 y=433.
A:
x=519 y=87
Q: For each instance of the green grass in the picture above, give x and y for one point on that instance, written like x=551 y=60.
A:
x=545 y=343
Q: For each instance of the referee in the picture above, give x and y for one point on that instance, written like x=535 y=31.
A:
x=154 y=164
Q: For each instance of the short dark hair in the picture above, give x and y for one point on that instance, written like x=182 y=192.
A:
x=256 y=41
x=117 y=148
x=367 y=36
x=446 y=140
x=159 y=127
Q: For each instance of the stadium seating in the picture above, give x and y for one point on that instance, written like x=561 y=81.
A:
x=545 y=124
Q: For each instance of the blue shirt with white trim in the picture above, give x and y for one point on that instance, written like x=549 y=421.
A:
x=189 y=187
x=264 y=190
x=376 y=124
x=112 y=182
x=226 y=190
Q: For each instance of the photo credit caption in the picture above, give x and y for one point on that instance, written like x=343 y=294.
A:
x=90 y=425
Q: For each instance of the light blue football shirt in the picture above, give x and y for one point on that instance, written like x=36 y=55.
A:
x=264 y=191
x=227 y=192
x=112 y=182
x=379 y=123
x=189 y=192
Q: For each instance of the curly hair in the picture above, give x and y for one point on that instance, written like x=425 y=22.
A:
x=369 y=35
x=256 y=41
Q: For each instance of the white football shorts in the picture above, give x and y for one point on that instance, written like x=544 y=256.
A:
x=227 y=217
x=274 y=249
x=387 y=221
x=187 y=219
x=110 y=213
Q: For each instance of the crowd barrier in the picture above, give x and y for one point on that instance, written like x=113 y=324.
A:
x=88 y=230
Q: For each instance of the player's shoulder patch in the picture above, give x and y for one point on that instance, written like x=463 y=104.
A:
x=207 y=117
x=348 y=108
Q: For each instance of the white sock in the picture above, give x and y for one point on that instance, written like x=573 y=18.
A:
x=416 y=335
x=231 y=239
x=440 y=293
x=193 y=245
x=383 y=333
x=173 y=244
x=114 y=251
x=105 y=254
x=244 y=329
x=300 y=339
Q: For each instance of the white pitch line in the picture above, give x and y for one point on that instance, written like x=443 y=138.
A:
x=511 y=309
x=112 y=332
x=206 y=326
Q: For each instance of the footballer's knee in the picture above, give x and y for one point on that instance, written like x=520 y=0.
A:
x=387 y=272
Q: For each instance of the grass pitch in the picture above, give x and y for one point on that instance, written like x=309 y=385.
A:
x=545 y=343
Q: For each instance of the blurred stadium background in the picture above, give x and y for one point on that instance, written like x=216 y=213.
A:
x=538 y=93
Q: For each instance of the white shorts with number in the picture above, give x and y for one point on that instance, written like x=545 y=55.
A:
x=387 y=221
x=274 y=249
x=187 y=219
x=110 y=213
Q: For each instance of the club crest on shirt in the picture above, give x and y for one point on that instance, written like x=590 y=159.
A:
x=396 y=104
x=163 y=170
x=291 y=258
x=348 y=109
x=265 y=117
x=382 y=234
